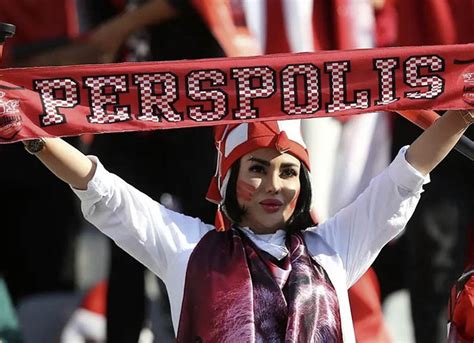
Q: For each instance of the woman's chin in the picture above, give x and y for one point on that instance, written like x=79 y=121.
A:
x=265 y=223
x=268 y=227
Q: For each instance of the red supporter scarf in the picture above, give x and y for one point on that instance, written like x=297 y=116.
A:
x=73 y=100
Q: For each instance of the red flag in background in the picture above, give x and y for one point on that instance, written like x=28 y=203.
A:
x=366 y=310
x=331 y=25
x=427 y=22
x=463 y=16
x=276 y=39
x=424 y=22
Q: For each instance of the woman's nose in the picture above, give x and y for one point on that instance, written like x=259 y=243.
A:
x=273 y=183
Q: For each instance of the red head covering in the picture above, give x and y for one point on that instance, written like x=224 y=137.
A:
x=235 y=141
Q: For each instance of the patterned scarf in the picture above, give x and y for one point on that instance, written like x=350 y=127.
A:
x=234 y=292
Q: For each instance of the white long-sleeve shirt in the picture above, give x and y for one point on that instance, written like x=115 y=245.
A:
x=344 y=245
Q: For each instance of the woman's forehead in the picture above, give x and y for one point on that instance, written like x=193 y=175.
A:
x=271 y=155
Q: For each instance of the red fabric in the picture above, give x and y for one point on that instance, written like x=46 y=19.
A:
x=461 y=302
x=276 y=38
x=342 y=36
x=221 y=222
x=364 y=298
x=236 y=293
x=455 y=337
x=462 y=14
x=463 y=316
x=426 y=22
x=386 y=26
x=39 y=19
x=96 y=299
x=330 y=26
x=73 y=100
x=229 y=30
x=461 y=309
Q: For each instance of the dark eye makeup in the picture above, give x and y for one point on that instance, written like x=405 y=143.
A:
x=289 y=172
x=257 y=168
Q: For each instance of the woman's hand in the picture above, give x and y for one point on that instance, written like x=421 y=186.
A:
x=432 y=146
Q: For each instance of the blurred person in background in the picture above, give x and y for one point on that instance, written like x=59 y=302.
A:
x=110 y=31
x=431 y=255
x=32 y=261
x=153 y=30
x=36 y=265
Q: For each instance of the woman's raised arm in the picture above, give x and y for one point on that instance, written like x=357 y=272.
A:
x=424 y=154
x=432 y=146
x=66 y=162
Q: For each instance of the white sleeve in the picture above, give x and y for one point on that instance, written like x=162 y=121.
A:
x=359 y=231
x=145 y=229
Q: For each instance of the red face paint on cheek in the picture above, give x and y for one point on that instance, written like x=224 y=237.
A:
x=294 y=200
x=244 y=190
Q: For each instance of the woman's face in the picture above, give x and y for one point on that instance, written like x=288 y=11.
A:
x=268 y=186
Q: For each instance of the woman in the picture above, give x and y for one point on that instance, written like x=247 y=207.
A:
x=273 y=276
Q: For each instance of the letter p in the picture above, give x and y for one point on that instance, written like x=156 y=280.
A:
x=56 y=94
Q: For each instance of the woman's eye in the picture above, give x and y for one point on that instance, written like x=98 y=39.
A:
x=289 y=172
x=257 y=168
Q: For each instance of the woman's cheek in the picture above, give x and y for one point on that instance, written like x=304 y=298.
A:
x=245 y=190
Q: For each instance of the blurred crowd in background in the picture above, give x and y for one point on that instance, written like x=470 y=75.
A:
x=55 y=287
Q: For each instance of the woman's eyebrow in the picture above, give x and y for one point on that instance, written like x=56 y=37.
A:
x=259 y=160
x=287 y=165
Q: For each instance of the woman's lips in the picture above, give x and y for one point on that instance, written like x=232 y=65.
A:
x=271 y=205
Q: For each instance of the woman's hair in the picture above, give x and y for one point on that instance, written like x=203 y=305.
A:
x=300 y=219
